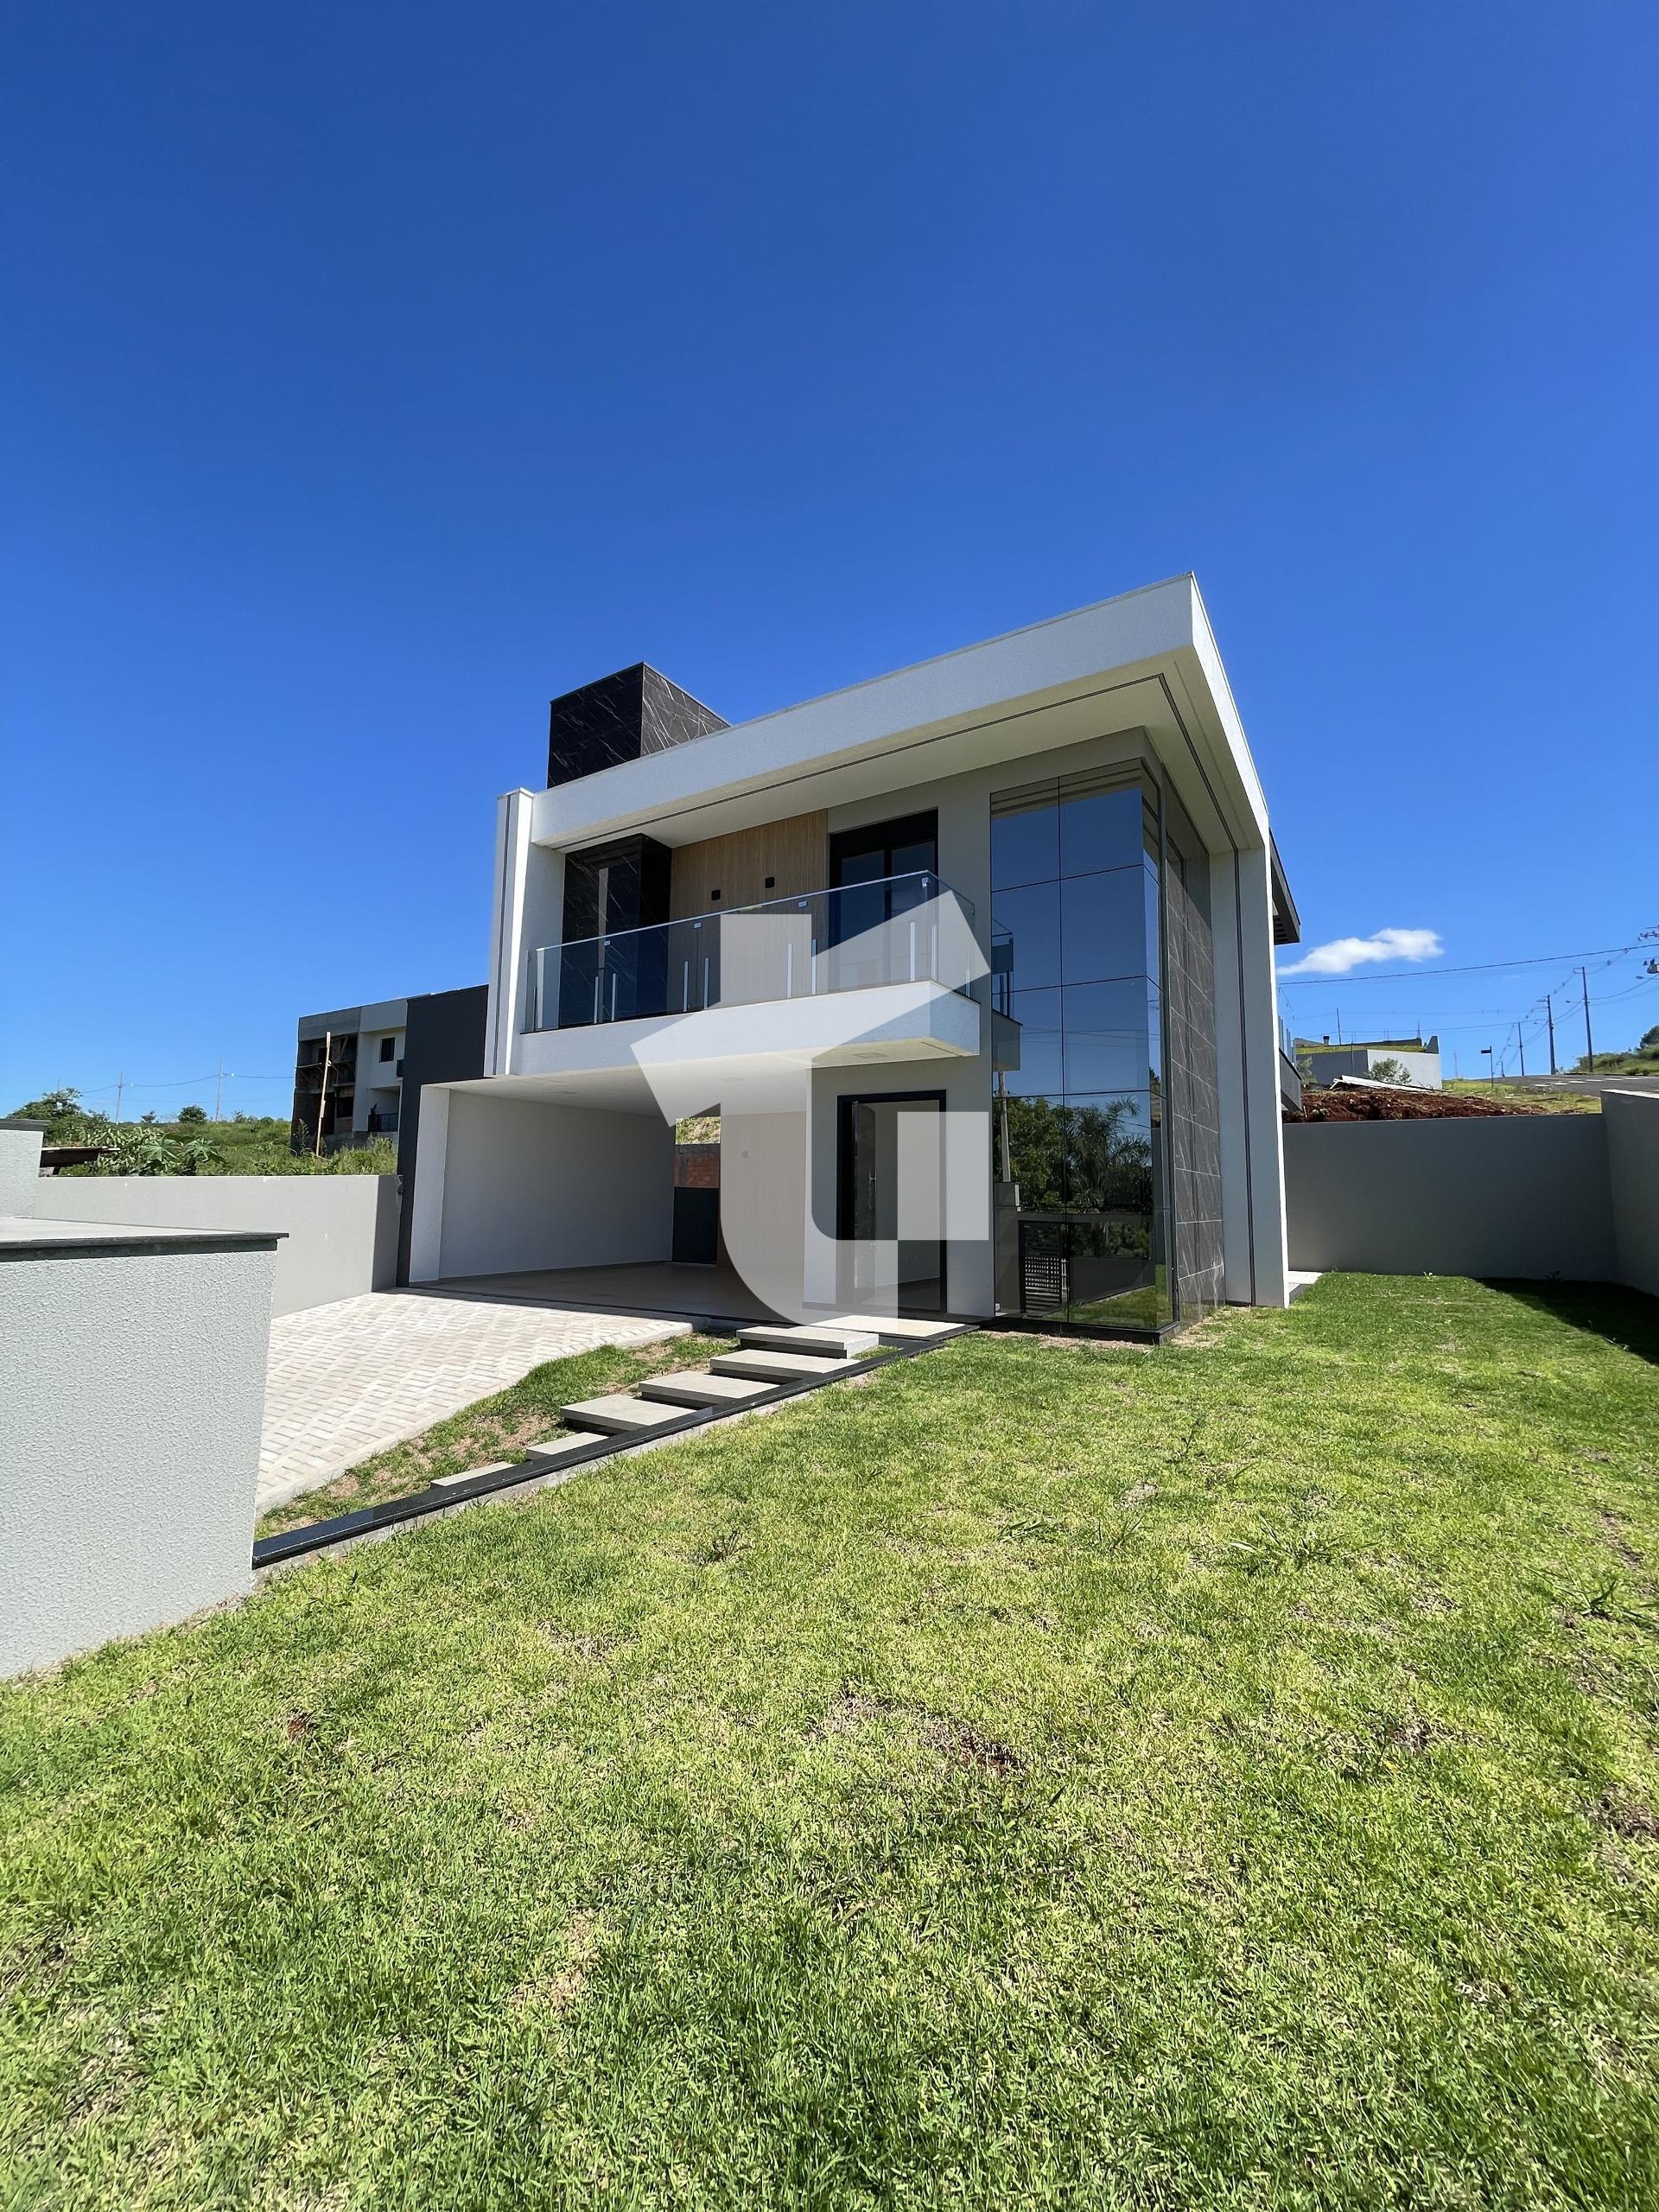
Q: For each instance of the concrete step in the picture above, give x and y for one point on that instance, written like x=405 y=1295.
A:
x=779 y=1366
x=615 y=1415
x=564 y=1446
x=469 y=1474
x=819 y=1339
x=694 y=1387
x=892 y=1328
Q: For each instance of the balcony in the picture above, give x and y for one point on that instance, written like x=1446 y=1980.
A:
x=883 y=970
x=900 y=929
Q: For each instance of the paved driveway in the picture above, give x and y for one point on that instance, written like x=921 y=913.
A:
x=348 y=1379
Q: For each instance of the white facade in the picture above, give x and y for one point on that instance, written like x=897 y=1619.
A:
x=1134 y=686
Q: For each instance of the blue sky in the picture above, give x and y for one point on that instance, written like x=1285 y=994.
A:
x=368 y=375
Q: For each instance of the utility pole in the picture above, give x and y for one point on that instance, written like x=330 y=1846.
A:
x=1549 y=1016
x=218 y=1089
x=120 y=1086
x=322 y=1095
x=1589 y=1041
x=1521 y=1047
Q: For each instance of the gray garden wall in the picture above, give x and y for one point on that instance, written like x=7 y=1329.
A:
x=19 y=1167
x=1570 y=1195
x=1632 y=1125
x=340 y=1231
x=132 y=1380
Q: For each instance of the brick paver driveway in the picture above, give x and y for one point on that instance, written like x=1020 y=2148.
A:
x=348 y=1379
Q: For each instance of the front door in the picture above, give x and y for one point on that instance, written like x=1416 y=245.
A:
x=882 y=1154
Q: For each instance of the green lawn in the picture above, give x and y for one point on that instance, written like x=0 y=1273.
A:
x=1538 y=1102
x=1042 y=1774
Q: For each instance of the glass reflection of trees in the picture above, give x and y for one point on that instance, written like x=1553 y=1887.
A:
x=1094 y=1158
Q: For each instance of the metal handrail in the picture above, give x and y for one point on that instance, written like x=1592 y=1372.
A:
x=797 y=902
x=607 y=954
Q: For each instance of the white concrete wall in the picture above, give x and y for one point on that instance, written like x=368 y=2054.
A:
x=131 y=1388
x=340 y=1231
x=527 y=914
x=1499 y=1197
x=526 y=1185
x=1631 y=1119
x=20 y=1171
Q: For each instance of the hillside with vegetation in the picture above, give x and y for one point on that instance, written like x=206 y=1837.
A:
x=247 y=1144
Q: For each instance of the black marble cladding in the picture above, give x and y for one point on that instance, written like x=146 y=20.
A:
x=1193 y=1103
x=619 y=718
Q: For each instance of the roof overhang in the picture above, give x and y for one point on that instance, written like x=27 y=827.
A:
x=1145 y=662
x=1286 y=922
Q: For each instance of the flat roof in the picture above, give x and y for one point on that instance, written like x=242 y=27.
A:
x=1146 y=660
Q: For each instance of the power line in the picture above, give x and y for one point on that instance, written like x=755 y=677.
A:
x=1480 y=967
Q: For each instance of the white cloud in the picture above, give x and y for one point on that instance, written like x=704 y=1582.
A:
x=1344 y=954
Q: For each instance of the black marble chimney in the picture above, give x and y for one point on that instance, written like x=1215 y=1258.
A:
x=619 y=718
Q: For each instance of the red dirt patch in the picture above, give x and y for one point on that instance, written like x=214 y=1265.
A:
x=1403 y=1105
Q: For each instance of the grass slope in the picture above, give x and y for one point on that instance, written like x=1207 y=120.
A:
x=1042 y=1775
x=1531 y=1101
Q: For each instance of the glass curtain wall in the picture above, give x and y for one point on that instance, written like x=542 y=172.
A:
x=1077 y=1165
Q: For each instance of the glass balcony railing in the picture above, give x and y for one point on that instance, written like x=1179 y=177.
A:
x=900 y=929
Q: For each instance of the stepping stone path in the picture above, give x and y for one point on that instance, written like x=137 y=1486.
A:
x=769 y=1358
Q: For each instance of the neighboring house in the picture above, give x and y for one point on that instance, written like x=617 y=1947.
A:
x=1322 y=1063
x=974 y=960
x=348 y=1076
x=362 y=1070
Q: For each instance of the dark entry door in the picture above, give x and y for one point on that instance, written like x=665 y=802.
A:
x=879 y=1268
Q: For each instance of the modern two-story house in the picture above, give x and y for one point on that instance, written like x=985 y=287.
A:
x=973 y=961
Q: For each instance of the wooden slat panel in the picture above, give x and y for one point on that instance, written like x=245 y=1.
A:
x=794 y=852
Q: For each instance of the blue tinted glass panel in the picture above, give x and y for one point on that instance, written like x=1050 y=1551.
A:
x=1038 y=1013
x=1025 y=840
x=1101 y=829
x=1026 y=935
x=1110 y=1035
x=1103 y=926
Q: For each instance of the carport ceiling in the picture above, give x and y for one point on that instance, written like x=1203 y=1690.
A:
x=619 y=1089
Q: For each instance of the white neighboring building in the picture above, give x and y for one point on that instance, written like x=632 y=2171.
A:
x=975 y=960
x=1420 y=1057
